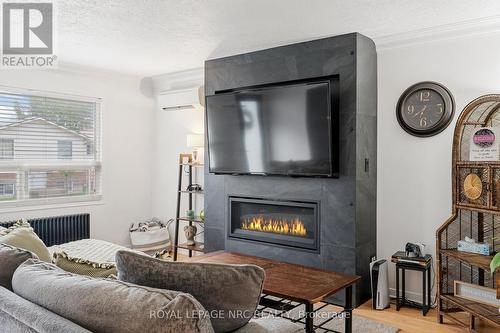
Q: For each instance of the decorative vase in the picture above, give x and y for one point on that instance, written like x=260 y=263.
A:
x=190 y=232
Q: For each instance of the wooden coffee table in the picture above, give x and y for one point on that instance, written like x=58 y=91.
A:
x=294 y=282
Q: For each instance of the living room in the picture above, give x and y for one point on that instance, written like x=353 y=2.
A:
x=249 y=166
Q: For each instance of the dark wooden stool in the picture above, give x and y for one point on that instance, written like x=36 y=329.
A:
x=425 y=268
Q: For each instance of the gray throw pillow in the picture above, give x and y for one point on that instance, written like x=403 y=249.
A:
x=230 y=293
x=105 y=305
x=10 y=258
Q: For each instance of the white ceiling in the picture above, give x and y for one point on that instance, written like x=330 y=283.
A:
x=150 y=37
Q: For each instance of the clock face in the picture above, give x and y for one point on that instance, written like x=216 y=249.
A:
x=425 y=109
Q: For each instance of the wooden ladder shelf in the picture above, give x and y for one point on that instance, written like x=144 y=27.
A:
x=186 y=165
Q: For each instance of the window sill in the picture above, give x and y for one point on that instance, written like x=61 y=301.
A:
x=49 y=203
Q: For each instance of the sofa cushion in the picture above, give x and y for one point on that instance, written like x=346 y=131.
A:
x=230 y=293
x=25 y=238
x=10 y=258
x=105 y=305
x=20 y=315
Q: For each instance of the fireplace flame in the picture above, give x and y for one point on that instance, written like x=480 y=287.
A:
x=294 y=227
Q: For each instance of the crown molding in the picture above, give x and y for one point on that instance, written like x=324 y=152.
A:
x=462 y=29
x=481 y=26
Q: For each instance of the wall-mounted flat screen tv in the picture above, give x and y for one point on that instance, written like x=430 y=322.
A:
x=276 y=130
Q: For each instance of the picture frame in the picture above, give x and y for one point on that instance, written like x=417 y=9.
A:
x=476 y=293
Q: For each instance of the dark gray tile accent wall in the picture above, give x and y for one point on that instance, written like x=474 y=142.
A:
x=348 y=203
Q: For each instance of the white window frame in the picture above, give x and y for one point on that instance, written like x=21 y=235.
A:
x=22 y=167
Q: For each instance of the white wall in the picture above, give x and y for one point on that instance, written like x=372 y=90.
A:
x=141 y=142
x=170 y=132
x=171 y=128
x=414 y=174
x=127 y=116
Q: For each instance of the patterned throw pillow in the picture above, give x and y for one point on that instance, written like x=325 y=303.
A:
x=91 y=257
x=73 y=265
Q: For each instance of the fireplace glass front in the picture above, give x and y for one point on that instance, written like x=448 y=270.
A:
x=285 y=223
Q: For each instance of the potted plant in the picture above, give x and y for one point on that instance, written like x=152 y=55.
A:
x=495 y=263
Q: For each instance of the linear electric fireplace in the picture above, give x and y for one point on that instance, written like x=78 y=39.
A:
x=284 y=223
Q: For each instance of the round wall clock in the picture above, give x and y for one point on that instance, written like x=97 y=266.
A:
x=425 y=109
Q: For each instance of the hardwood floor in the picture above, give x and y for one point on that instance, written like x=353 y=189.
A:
x=410 y=320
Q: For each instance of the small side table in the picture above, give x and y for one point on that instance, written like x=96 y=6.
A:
x=421 y=266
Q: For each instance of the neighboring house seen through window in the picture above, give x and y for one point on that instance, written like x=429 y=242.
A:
x=49 y=148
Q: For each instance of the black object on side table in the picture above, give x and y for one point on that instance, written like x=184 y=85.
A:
x=421 y=264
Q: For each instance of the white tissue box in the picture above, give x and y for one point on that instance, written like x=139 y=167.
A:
x=479 y=248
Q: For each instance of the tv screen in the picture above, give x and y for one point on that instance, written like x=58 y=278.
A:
x=278 y=130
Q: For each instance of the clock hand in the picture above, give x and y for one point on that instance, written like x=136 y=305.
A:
x=418 y=113
x=421 y=112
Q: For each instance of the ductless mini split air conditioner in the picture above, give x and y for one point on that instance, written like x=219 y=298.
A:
x=182 y=99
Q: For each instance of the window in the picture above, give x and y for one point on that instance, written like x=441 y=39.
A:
x=8 y=185
x=64 y=149
x=49 y=148
x=89 y=149
x=6 y=191
x=6 y=149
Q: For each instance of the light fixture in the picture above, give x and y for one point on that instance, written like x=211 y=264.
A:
x=196 y=142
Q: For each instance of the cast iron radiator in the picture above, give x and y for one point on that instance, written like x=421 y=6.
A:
x=56 y=230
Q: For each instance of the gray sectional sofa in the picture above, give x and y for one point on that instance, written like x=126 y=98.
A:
x=39 y=297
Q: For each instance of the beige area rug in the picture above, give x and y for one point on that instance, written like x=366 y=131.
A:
x=328 y=321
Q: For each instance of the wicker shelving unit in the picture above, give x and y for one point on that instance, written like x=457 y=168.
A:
x=475 y=214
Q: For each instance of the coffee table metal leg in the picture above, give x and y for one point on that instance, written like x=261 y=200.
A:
x=348 y=309
x=309 y=318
